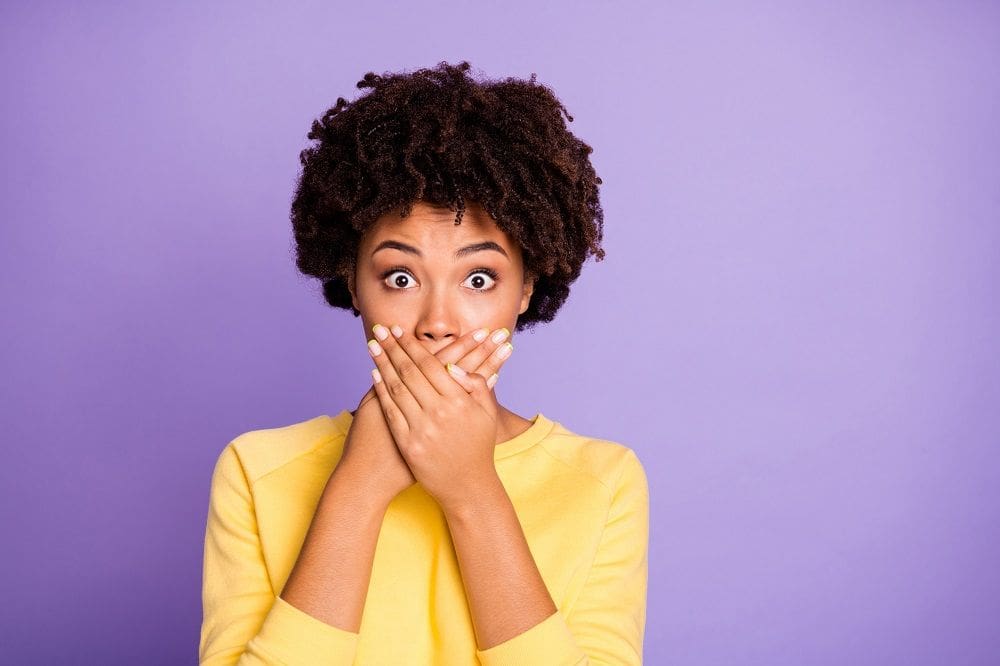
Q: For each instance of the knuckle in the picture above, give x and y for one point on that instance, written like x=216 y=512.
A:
x=395 y=386
x=427 y=365
x=406 y=371
x=432 y=432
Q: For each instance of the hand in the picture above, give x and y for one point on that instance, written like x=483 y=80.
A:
x=370 y=451
x=370 y=456
x=444 y=422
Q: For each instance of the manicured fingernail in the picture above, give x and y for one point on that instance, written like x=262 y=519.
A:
x=380 y=331
x=455 y=370
x=491 y=382
x=479 y=335
x=396 y=330
x=505 y=350
x=376 y=375
x=500 y=336
x=374 y=347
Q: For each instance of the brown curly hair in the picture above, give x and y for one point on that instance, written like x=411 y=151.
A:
x=439 y=136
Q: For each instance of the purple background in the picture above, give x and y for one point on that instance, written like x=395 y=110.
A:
x=795 y=327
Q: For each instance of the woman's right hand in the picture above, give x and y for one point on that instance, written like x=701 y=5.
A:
x=370 y=455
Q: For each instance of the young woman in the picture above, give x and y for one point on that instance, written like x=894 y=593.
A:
x=431 y=525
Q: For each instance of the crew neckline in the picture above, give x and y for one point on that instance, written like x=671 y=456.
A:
x=539 y=429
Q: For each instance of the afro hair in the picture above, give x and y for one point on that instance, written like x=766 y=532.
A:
x=439 y=136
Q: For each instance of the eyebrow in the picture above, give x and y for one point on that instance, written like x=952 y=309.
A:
x=468 y=249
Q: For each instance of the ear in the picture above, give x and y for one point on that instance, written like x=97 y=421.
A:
x=529 y=289
x=350 y=288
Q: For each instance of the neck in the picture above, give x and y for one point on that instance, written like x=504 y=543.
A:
x=509 y=425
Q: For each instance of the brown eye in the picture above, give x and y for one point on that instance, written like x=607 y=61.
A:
x=482 y=279
x=397 y=278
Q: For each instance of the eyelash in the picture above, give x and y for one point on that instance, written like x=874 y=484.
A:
x=482 y=269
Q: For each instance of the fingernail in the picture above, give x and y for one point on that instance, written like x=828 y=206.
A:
x=380 y=331
x=396 y=330
x=455 y=370
x=377 y=376
x=479 y=335
x=500 y=336
x=491 y=382
x=374 y=347
x=505 y=350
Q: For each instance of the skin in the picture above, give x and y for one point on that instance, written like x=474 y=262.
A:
x=446 y=421
x=429 y=423
x=437 y=303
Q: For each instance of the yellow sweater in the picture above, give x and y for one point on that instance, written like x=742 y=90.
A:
x=583 y=504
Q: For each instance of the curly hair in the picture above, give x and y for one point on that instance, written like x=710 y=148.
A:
x=439 y=136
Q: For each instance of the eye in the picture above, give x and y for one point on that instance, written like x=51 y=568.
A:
x=399 y=278
x=477 y=280
x=401 y=281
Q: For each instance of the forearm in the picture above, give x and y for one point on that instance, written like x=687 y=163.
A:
x=506 y=593
x=330 y=578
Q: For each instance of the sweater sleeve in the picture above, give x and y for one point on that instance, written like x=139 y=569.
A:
x=243 y=621
x=606 y=623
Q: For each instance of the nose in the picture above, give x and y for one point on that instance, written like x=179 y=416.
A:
x=437 y=322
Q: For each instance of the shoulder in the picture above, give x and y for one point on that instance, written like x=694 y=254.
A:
x=264 y=450
x=608 y=462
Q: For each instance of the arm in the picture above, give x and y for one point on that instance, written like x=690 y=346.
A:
x=506 y=593
x=330 y=578
x=244 y=622
x=515 y=619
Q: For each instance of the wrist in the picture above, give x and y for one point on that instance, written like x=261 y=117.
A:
x=484 y=497
x=358 y=488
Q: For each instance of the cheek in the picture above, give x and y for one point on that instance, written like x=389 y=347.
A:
x=370 y=292
x=513 y=293
x=374 y=307
x=498 y=306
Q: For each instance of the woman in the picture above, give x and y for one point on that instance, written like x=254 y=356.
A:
x=432 y=525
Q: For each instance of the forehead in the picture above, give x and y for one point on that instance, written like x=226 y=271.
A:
x=430 y=226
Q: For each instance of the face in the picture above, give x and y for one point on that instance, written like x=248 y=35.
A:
x=421 y=273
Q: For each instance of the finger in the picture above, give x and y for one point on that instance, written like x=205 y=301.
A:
x=419 y=369
x=460 y=348
x=398 y=425
x=491 y=366
x=394 y=384
x=475 y=386
x=485 y=351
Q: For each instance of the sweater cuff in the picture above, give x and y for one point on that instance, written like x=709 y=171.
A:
x=549 y=642
x=297 y=638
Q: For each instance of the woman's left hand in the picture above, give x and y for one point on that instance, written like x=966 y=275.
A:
x=444 y=422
